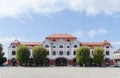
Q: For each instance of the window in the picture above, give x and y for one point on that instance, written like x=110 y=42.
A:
x=13 y=46
x=54 y=53
x=75 y=46
x=46 y=46
x=61 y=46
x=107 y=46
x=68 y=53
x=13 y=52
x=54 y=40
x=107 y=52
x=74 y=53
x=68 y=46
x=54 y=46
x=47 y=52
x=92 y=52
x=68 y=40
x=61 y=53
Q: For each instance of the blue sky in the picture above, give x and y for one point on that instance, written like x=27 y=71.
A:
x=33 y=20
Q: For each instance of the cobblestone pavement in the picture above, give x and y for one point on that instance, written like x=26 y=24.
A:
x=59 y=72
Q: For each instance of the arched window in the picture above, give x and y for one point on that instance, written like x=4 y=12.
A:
x=54 y=52
x=68 y=46
x=13 y=46
x=13 y=52
x=61 y=46
x=47 y=52
x=54 y=46
x=68 y=40
x=107 y=47
x=54 y=40
x=68 y=53
x=74 y=52
x=46 y=46
x=75 y=46
x=107 y=52
x=61 y=53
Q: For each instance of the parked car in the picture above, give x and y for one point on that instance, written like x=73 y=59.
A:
x=4 y=65
x=116 y=65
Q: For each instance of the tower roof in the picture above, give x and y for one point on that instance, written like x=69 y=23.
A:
x=61 y=35
x=15 y=41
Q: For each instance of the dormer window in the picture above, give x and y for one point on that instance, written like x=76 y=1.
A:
x=46 y=46
x=61 y=46
x=13 y=46
x=68 y=40
x=75 y=46
x=107 y=47
x=54 y=46
x=68 y=46
x=54 y=40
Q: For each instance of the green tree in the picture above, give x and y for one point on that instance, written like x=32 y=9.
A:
x=22 y=54
x=83 y=55
x=2 y=58
x=98 y=55
x=39 y=55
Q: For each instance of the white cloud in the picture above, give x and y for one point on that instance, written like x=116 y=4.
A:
x=92 y=33
x=116 y=43
x=93 y=7
x=79 y=34
x=21 y=8
x=100 y=31
x=6 y=40
x=16 y=8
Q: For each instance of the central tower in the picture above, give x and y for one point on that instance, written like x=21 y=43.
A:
x=61 y=48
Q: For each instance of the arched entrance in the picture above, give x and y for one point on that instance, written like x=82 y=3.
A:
x=61 y=62
x=14 y=62
x=47 y=63
x=74 y=62
x=107 y=61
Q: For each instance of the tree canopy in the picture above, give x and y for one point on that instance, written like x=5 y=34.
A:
x=22 y=54
x=2 y=58
x=83 y=55
x=39 y=55
x=98 y=55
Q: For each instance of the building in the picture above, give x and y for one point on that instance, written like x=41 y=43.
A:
x=117 y=57
x=61 y=49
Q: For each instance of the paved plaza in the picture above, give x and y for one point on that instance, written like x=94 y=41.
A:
x=59 y=72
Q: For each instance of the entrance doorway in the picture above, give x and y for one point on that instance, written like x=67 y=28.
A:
x=47 y=63
x=61 y=62
x=107 y=61
x=14 y=62
x=74 y=62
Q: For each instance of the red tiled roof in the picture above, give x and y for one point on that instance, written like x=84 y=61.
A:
x=31 y=43
x=15 y=41
x=118 y=51
x=94 y=44
x=61 y=35
x=28 y=44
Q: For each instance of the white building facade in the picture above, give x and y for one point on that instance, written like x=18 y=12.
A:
x=61 y=49
x=117 y=57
